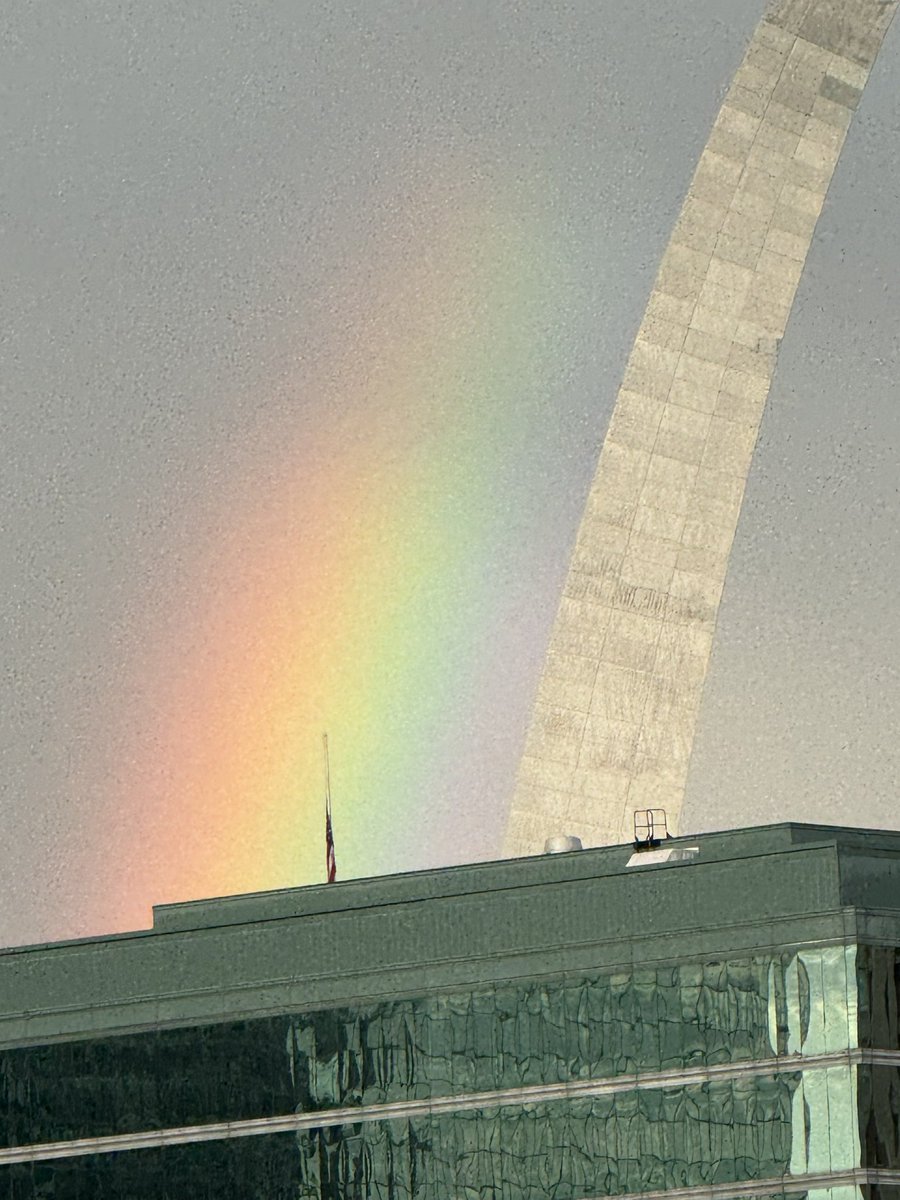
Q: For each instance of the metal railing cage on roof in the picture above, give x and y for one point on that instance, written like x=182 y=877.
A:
x=650 y=827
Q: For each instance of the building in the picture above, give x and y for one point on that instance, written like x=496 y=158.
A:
x=714 y=1018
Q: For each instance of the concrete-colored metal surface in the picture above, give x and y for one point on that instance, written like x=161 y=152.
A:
x=613 y=723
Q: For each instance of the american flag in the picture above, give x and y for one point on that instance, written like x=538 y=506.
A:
x=330 y=861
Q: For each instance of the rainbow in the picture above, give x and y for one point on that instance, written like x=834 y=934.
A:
x=354 y=593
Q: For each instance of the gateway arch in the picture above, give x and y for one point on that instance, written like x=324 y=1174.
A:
x=613 y=723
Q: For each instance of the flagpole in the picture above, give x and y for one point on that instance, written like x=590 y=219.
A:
x=327 y=775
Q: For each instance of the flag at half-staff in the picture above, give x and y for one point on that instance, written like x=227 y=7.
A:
x=330 y=860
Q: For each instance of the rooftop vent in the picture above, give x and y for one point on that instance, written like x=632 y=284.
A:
x=562 y=843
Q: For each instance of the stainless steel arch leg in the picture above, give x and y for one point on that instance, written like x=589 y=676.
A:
x=613 y=723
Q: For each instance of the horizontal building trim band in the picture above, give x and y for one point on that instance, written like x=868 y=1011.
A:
x=437 y=1106
x=781 y=1185
x=38 y=1025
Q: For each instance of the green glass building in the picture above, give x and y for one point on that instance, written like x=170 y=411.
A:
x=716 y=1018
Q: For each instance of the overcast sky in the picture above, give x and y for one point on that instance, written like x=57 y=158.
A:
x=218 y=223
x=802 y=703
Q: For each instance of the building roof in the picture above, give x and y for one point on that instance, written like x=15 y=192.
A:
x=742 y=891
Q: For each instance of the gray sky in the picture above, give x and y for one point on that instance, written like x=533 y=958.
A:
x=801 y=708
x=201 y=205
